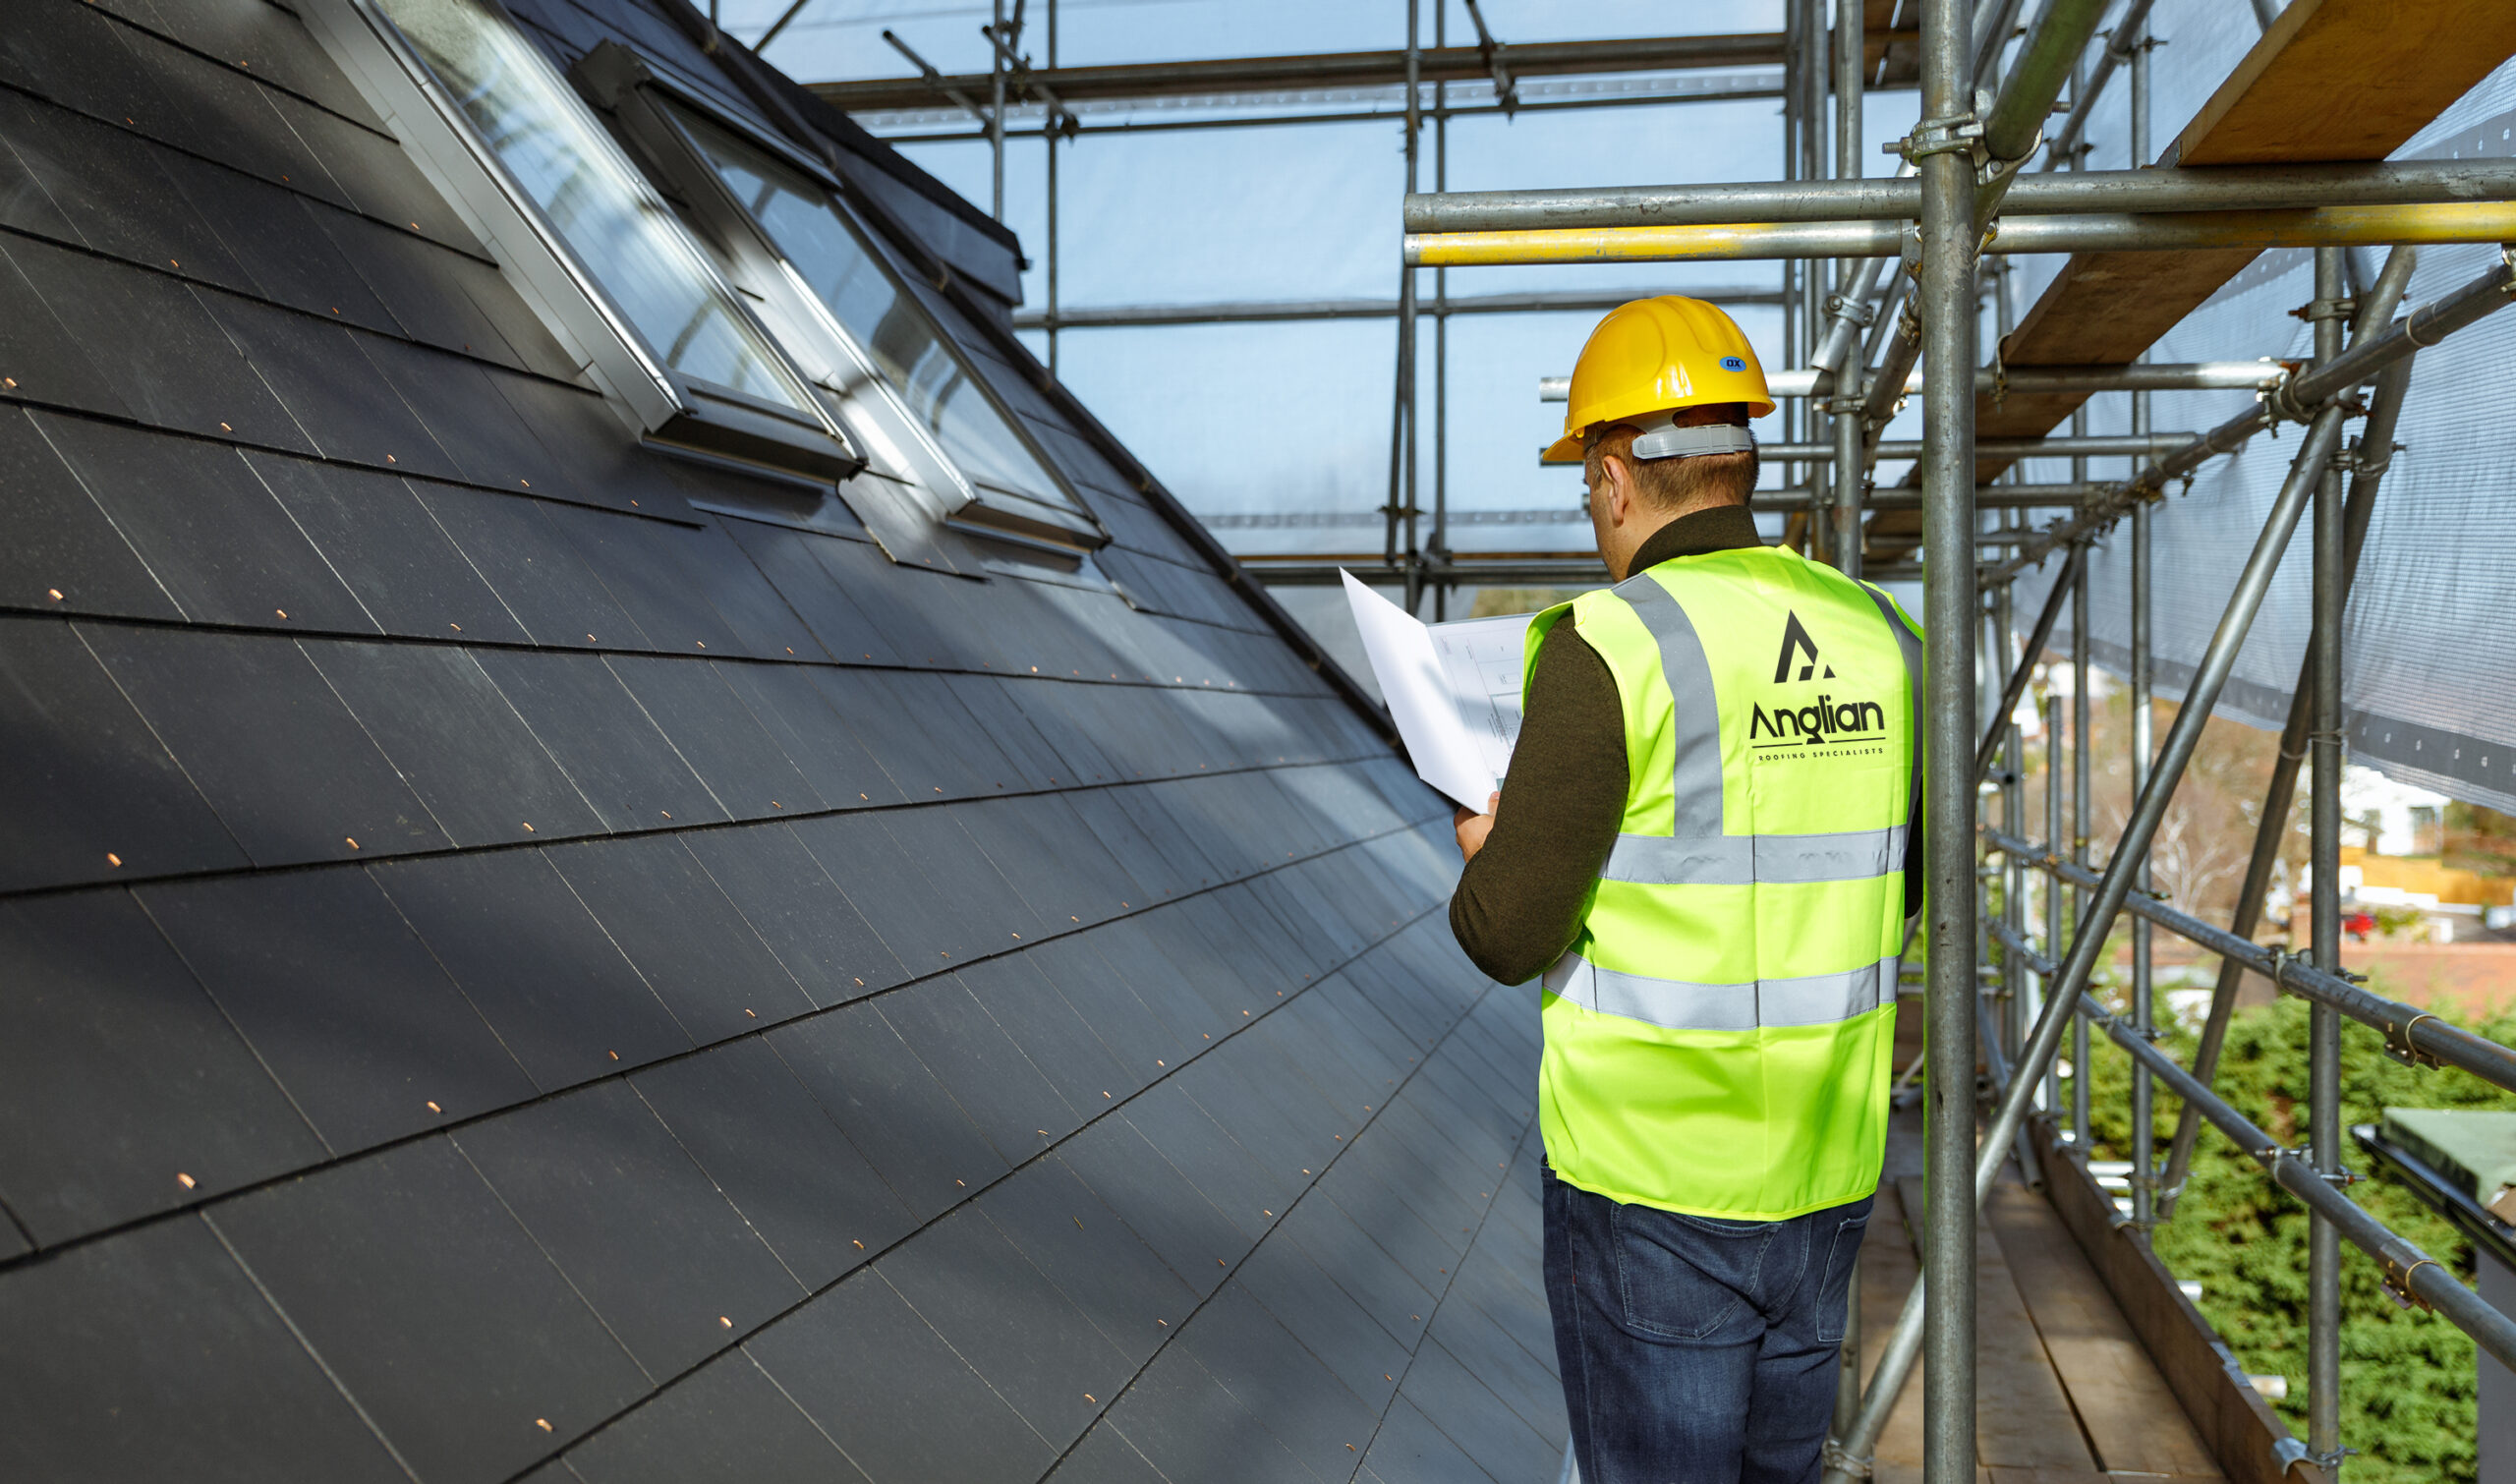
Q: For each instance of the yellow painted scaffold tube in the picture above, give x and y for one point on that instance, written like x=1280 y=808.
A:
x=2104 y=232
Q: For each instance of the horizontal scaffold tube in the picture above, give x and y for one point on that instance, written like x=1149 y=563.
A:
x=1890 y=199
x=2093 y=446
x=2426 y=325
x=2095 y=232
x=2024 y=380
x=2414 y=1031
x=2407 y=1269
x=1986 y=497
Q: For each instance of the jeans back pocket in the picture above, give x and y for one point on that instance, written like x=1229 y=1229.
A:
x=1684 y=1278
x=1834 y=1294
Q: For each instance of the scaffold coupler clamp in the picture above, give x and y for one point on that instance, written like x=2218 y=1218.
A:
x=1842 y=1461
x=2397 y=1279
x=2400 y=1046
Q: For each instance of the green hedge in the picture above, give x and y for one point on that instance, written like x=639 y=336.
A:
x=2407 y=1377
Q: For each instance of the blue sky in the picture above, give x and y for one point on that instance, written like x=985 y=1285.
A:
x=1295 y=417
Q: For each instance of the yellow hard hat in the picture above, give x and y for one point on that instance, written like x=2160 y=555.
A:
x=1658 y=355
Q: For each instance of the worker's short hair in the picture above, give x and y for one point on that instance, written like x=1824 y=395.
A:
x=1678 y=483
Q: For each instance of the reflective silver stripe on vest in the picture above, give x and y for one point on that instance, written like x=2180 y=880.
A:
x=1694 y=726
x=1740 y=860
x=1817 y=1000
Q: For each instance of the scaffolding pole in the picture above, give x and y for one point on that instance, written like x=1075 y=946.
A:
x=2429 y=223
x=2323 y=1054
x=2374 y=451
x=2410 y=1274
x=1945 y=288
x=1898 y=198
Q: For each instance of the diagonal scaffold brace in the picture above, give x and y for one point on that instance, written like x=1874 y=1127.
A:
x=2322 y=390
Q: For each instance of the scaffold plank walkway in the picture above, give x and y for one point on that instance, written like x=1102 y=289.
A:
x=2067 y=1395
x=2331 y=80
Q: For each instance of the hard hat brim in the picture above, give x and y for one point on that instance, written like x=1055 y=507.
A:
x=1564 y=450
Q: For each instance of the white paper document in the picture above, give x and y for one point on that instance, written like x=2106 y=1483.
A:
x=1453 y=689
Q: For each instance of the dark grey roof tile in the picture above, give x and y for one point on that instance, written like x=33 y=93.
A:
x=107 y=184
x=1155 y=1201
x=1098 y=811
x=289 y=258
x=606 y=466
x=420 y=283
x=1026 y=1340
x=798 y=717
x=1134 y=1299
x=890 y=1106
x=475 y=427
x=210 y=531
x=762 y=621
x=725 y=1420
x=641 y=561
x=123 y=1091
x=1182 y=1419
x=1149 y=812
x=987 y=1074
x=787 y=557
x=893 y=1395
x=341 y=1001
x=1367 y=1189
x=642 y=1235
x=1132 y=949
x=1411 y=1449
x=368 y=168
x=1470 y=1415
x=456 y=741
x=42 y=360
x=596 y=730
x=540 y=578
x=1055 y=1041
x=912 y=726
x=1253 y=1195
x=1104 y=1456
x=534 y=962
x=153 y=344
x=221 y=113
x=332 y=390
x=436 y=1312
x=916 y=924
x=1281 y=1276
x=123 y=1357
x=980 y=911
x=265 y=41
x=717 y=735
x=1303 y=1404
x=1360 y=1266
x=1139 y=1041
x=1503 y=1361
x=1049 y=855
x=739 y=1111
x=90 y=793
x=796 y=907
x=291 y=772
x=1033 y=762
x=1050 y=707
x=382 y=543
x=72 y=54
x=682 y=933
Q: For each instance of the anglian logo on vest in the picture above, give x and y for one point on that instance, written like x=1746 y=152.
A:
x=1828 y=719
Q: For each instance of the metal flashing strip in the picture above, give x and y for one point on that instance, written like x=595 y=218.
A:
x=1742 y=860
x=1755 y=1004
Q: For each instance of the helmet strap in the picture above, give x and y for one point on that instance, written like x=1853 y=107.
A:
x=1661 y=438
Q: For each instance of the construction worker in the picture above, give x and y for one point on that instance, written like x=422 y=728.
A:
x=1707 y=846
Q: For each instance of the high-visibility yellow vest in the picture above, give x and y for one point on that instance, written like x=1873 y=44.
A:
x=1719 y=1036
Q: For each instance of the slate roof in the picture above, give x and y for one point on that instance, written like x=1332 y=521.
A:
x=507 y=973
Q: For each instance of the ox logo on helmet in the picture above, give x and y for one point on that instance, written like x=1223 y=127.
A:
x=1732 y=362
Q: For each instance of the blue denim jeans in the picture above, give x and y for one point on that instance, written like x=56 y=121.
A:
x=1697 y=1350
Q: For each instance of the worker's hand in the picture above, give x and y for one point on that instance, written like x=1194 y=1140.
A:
x=1472 y=828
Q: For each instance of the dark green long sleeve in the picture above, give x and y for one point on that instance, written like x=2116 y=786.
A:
x=1520 y=903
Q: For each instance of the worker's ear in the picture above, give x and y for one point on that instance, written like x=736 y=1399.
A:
x=1617 y=489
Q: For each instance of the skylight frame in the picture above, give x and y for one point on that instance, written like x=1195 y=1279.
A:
x=566 y=292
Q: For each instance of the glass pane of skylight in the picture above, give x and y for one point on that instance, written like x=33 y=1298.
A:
x=553 y=147
x=893 y=330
